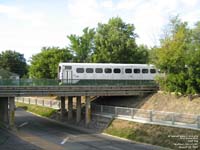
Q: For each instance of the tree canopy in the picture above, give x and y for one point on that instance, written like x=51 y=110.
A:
x=45 y=63
x=14 y=62
x=82 y=46
x=115 y=43
x=178 y=57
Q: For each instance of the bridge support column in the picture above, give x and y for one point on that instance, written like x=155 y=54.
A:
x=63 y=110
x=87 y=111
x=12 y=112
x=4 y=110
x=78 y=109
x=70 y=107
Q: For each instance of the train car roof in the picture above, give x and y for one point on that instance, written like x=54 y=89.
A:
x=106 y=64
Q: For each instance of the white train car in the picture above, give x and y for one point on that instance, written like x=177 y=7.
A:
x=105 y=71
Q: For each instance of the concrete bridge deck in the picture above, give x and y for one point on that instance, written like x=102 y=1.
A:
x=46 y=87
x=12 y=91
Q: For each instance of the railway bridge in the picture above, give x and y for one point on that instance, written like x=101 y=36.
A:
x=9 y=89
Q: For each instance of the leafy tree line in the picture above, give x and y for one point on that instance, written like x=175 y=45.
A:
x=178 y=57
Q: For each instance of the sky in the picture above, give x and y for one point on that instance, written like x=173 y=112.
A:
x=28 y=25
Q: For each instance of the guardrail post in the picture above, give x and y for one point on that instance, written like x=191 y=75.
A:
x=173 y=119
x=101 y=108
x=23 y=99
x=50 y=103
x=35 y=101
x=116 y=113
x=151 y=115
x=59 y=105
x=198 y=121
x=42 y=102
x=132 y=114
x=29 y=101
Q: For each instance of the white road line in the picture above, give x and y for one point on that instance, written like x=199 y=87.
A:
x=64 y=140
x=23 y=124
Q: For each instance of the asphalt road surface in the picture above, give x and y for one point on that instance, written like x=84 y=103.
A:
x=39 y=133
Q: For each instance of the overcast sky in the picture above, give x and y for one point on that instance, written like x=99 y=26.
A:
x=28 y=25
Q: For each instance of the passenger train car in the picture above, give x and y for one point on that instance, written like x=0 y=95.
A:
x=105 y=71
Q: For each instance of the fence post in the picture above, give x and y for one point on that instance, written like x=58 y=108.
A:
x=151 y=115
x=116 y=113
x=132 y=115
x=173 y=119
x=50 y=104
x=198 y=121
x=23 y=99
x=35 y=101
x=59 y=105
x=42 y=102
x=101 y=108
x=29 y=101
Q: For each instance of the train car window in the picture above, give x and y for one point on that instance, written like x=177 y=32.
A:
x=136 y=70
x=128 y=70
x=80 y=70
x=108 y=70
x=117 y=70
x=68 y=67
x=98 y=70
x=89 y=70
x=145 y=70
x=152 y=70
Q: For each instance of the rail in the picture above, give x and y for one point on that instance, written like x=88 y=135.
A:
x=55 y=82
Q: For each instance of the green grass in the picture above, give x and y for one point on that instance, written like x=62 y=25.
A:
x=153 y=134
x=42 y=111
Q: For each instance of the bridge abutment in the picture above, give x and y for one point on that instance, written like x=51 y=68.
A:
x=11 y=112
x=4 y=110
x=7 y=111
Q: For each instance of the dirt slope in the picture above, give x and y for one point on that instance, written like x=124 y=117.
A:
x=158 y=101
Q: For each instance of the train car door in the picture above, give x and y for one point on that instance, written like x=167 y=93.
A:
x=68 y=74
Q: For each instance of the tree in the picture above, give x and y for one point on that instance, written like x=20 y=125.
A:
x=45 y=63
x=115 y=43
x=170 y=56
x=82 y=46
x=14 y=62
x=178 y=56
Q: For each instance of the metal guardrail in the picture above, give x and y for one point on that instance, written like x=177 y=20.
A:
x=55 y=104
x=157 y=117
x=55 y=82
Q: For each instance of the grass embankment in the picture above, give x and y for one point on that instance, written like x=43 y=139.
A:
x=42 y=111
x=164 y=136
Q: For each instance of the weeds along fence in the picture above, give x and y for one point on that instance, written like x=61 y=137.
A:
x=150 y=116
x=138 y=115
